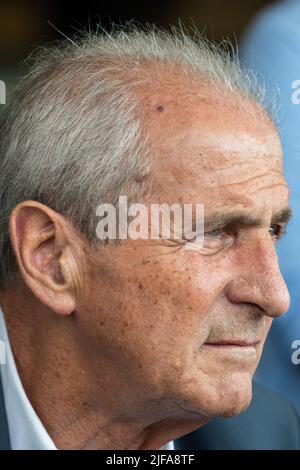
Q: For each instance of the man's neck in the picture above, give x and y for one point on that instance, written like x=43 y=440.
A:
x=82 y=400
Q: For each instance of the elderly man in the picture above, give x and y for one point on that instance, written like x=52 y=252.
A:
x=129 y=344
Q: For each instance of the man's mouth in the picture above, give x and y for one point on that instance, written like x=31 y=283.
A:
x=235 y=342
x=238 y=348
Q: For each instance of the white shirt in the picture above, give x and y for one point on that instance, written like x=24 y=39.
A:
x=26 y=430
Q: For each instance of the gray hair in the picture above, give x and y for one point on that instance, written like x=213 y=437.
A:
x=73 y=135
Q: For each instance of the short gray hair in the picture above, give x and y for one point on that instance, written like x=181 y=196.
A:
x=73 y=134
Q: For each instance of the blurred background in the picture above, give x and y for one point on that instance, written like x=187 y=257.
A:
x=26 y=23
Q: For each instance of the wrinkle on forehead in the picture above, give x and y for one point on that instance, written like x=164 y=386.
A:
x=216 y=167
x=211 y=141
x=251 y=174
x=212 y=146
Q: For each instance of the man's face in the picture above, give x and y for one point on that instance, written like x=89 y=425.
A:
x=182 y=326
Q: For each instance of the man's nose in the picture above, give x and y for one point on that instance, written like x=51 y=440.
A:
x=259 y=280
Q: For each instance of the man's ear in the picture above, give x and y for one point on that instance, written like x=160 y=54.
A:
x=43 y=242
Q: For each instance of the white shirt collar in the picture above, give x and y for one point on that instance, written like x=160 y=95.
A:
x=26 y=430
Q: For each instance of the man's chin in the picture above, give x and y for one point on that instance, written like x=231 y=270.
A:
x=233 y=396
x=222 y=397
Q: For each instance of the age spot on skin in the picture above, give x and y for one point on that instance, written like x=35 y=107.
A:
x=140 y=178
x=160 y=109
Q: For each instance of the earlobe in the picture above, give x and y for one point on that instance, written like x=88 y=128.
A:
x=40 y=238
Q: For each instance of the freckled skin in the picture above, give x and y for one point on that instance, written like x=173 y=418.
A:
x=188 y=298
x=145 y=309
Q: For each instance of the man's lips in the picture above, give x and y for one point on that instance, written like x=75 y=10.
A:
x=234 y=342
x=236 y=349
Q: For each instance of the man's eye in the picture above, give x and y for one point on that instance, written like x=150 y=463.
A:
x=277 y=231
x=214 y=233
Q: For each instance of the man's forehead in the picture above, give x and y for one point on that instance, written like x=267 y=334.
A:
x=229 y=199
x=228 y=134
x=230 y=144
x=211 y=144
x=192 y=105
x=246 y=171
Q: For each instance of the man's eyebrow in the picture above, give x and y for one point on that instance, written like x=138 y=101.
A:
x=236 y=217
